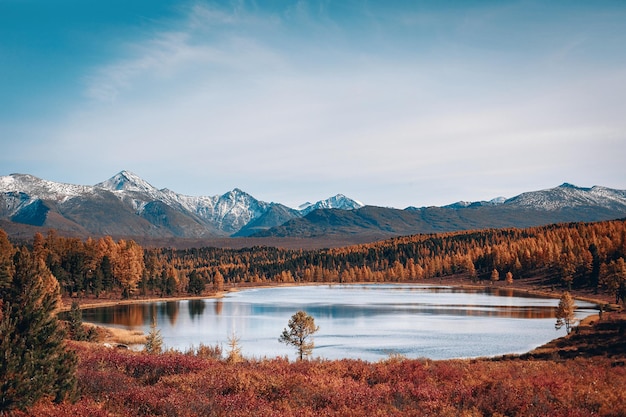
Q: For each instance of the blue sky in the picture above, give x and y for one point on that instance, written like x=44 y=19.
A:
x=393 y=103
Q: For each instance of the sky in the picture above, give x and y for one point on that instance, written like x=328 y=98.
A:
x=392 y=103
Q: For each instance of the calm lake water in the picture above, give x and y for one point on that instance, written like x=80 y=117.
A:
x=368 y=322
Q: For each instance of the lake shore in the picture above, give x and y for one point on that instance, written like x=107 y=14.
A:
x=114 y=335
x=528 y=286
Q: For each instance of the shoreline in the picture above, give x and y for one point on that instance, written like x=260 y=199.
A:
x=522 y=289
x=88 y=303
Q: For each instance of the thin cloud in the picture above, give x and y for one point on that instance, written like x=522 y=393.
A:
x=414 y=106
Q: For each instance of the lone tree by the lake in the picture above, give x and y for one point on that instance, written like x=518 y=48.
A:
x=300 y=333
x=565 y=312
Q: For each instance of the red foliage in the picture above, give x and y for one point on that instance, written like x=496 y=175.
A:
x=114 y=382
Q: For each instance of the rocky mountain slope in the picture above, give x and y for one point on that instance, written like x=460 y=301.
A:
x=565 y=203
x=127 y=205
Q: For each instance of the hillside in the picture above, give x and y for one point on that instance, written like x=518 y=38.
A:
x=126 y=206
x=566 y=203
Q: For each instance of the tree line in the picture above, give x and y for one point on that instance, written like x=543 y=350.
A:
x=568 y=256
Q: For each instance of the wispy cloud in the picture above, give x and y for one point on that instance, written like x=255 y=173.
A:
x=395 y=105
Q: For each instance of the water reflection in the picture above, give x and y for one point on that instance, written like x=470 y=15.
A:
x=196 y=308
x=362 y=321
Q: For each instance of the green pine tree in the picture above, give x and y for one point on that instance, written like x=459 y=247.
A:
x=35 y=361
x=75 y=321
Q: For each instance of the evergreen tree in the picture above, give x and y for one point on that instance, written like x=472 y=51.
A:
x=6 y=264
x=196 y=284
x=35 y=362
x=76 y=330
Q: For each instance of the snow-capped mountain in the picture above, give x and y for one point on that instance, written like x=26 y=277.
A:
x=465 y=204
x=338 y=201
x=38 y=188
x=566 y=203
x=138 y=207
x=570 y=196
x=127 y=205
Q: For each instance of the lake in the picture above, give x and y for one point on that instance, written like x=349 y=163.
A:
x=369 y=322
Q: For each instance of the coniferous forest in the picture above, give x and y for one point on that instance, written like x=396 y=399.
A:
x=567 y=256
x=42 y=372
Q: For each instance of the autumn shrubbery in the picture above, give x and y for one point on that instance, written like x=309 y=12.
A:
x=129 y=383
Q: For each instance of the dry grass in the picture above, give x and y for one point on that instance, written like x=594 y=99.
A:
x=119 y=336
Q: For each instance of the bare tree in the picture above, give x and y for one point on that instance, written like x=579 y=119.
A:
x=301 y=328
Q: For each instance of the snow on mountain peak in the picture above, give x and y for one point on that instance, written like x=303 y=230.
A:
x=127 y=181
x=568 y=195
x=37 y=188
x=338 y=201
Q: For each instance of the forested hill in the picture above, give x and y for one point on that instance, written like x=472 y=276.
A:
x=574 y=255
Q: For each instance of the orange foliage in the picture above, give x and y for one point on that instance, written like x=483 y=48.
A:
x=575 y=255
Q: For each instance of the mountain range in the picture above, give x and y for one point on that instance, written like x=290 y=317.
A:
x=125 y=205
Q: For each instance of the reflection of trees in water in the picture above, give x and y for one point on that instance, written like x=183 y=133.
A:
x=139 y=315
x=170 y=309
x=152 y=315
x=196 y=308
x=338 y=311
x=131 y=315
x=218 y=305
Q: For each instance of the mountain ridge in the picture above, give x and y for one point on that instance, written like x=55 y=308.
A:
x=141 y=208
x=127 y=205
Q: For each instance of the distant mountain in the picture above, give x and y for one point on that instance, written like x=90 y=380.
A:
x=127 y=205
x=566 y=203
x=465 y=204
x=568 y=196
x=339 y=201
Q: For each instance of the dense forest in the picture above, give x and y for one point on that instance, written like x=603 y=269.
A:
x=568 y=256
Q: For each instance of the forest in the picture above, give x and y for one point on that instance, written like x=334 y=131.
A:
x=568 y=256
x=44 y=373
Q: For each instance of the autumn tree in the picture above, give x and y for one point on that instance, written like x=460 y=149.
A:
x=234 y=350
x=154 y=340
x=35 y=361
x=495 y=276
x=218 y=281
x=613 y=278
x=128 y=266
x=300 y=334
x=565 y=312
